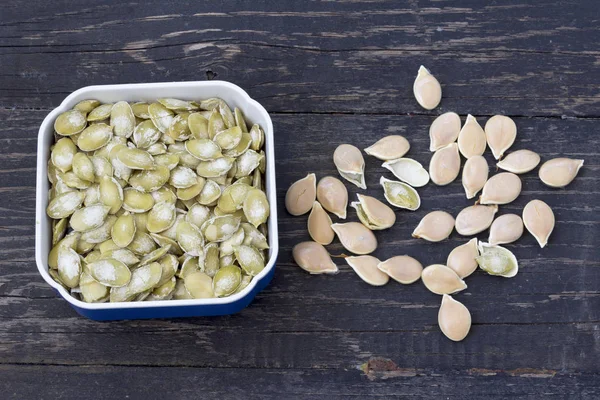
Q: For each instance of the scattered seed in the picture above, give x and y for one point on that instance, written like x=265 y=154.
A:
x=313 y=258
x=475 y=175
x=454 y=319
x=389 y=148
x=427 y=89
x=496 y=260
x=350 y=164
x=435 y=226
x=301 y=195
x=519 y=162
x=444 y=130
x=471 y=139
x=355 y=237
x=440 y=279
x=400 y=195
x=462 y=259
x=408 y=170
x=403 y=269
x=366 y=268
x=319 y=225
x=445 y=165
x=333 y=196
x=502 y=188
x=559 y=172
x=500 y=133
x=539 y=220
x=474 y=219
x=505 y=229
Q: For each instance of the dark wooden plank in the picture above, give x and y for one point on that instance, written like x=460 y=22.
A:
x=539 y=58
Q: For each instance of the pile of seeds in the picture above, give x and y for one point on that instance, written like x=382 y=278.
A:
x=156 y=201
x=448 y=141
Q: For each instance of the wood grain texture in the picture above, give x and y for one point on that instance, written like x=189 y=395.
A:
x=329 y=73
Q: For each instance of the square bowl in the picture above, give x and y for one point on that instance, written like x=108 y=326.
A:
x=235 y=97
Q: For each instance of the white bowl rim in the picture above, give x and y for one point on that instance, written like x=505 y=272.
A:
x=41 y=199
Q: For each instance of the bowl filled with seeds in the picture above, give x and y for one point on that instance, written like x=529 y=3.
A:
x=156 y=200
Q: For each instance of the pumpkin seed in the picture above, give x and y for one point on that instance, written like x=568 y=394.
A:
x=440 y=279
x=102 y=167
x=157 y=148
x=253 y=237
x=475 y=175
x=403 y=269
x=558 y=172
x=232 y=198
x=210 y=193
x=539 y=221
x=256 y=207
x=355 y=237
x=241 y=148
x=226 y=114
x=122 y=119
x=142 y=243
x=408 y=170
x=519 y=162
x=198 y=126
x=69 y=266
x=332 y=195
x=180 y=292
x=228 y=138
x=59 y=228
x=313 y=258
x=502 y=188
x=445 y=165
x=500 y=133
x=100 y=113
x=85 y=106
x=212 y=261
x=163 y=291
x=140 y=110
x=400 y=195
x=427 y=89
x=125 y=256
x=136 y=201
x=454 y=319
x=389 y=148
x=444 y=130
x=239 y=119
x=154 y=255
x=83 y=167
x=145 y=134
x=177 y=105
x=350 y=164
x=101 y=233
x=88 y=218
x=111 y=194
x=301 y=195
x=64 y=204
x=218 y=229
x=123 y=230
x=70 y=123
x=62 y=154
x=92 y=291
x=471 y=139
x=179 y=129
x=215 y=124
x=161 y=217
x=374 y=214
x=319 y=225
x=250 y=259
x=496 y=260
x=247 y=163
x=246 y=279
x=435 y=226
x=258 y=137
x=94 y=137
x=161 y=116
x=188 y=266
x=226 y=247
x=72 y=180
x=505 y=229
x=215 y=168
x=227 y=280
x=110 y=272
x=199 y=285
x=474 y=219
x=203 y=149
x=189 y=238
x=70 y=241
x=366 y=268
x=462 y=259
x=150 y=180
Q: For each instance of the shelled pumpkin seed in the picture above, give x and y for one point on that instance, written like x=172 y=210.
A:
x=157 y=201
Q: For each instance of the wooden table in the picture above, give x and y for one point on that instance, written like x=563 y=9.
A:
x=328 y=73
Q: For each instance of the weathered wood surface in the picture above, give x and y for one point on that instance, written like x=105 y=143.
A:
x=329 y=72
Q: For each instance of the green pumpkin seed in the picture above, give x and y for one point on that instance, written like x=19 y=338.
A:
x=150 y=180
x=226 y=114
x=164 y=241
x=188 y=266
x=198 y=126
x=120 y=170
x=154 y=255
x=62 y=154
x=92 y=256
x=106 y=246
x=215 y=124
x=246 y=279
x=197 y=214
x=227 y=280
x=125 y=256
x=192 y=191
x=102 y=167
x=257 y=136
x=72 y=180
x=83 y=167
x=70 y=123
x=136 y=201
x=400 y=195
x=179 y=129
x=69 y=241
x=232 y=198
x=122 y=119
x=123 y=230
x=161 y=116
x=144 y=279
x=203 y=149
x=85 y=106
x=215 y=168
x=101 y=233
x=91 y=291
x=100 y=113
x=167 y=160
x=59 y=228
x=496 y=260
x=242 y=146
x=157 y=148
x=161 y=217
x=177 y=105
x=136 y=159
x=190 y=238
x=250 y=259
x=88 y=218
x=239 y=119
x=141 y=219
x=228 y=138
x=164 y=194
x=145 y=134
x=227 y=260
x=226 y=247
x=110 y=272
x=94 y=137
x=247 y=162
x=253 y=237
x=256 y=207
x=64 y=204
x=163 y=291
x=183 y=177
x=169 y=265
x=84 y=246
x=69 y=266
x=111 y=193
x=218 y=229
x=140 y=110
x=199 y=285
x=142 y=244
x=210 y=193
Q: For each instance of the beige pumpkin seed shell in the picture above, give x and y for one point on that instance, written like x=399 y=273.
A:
x=471 y=139
x=435 y=226
x=400 y=195
x=313 y=258
x=474 y=219
x=502 y=188
x=475 y=175
x=505 y=229
x=519 y=162
x=440 y=279
x=454 y=319
x=378 y=214
x=366 y=268
x=427 y=89
x=301 y=195
x=463 y=259
x=350 y=164
x=355 y=237
x=402 y=269
x=319 y=225
x=500 y=133
x=445 y=165
x=408 y=170
x=444 y=130
x=333 y=196
x=539 y=220
x=389 y=148
x=559 y=172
